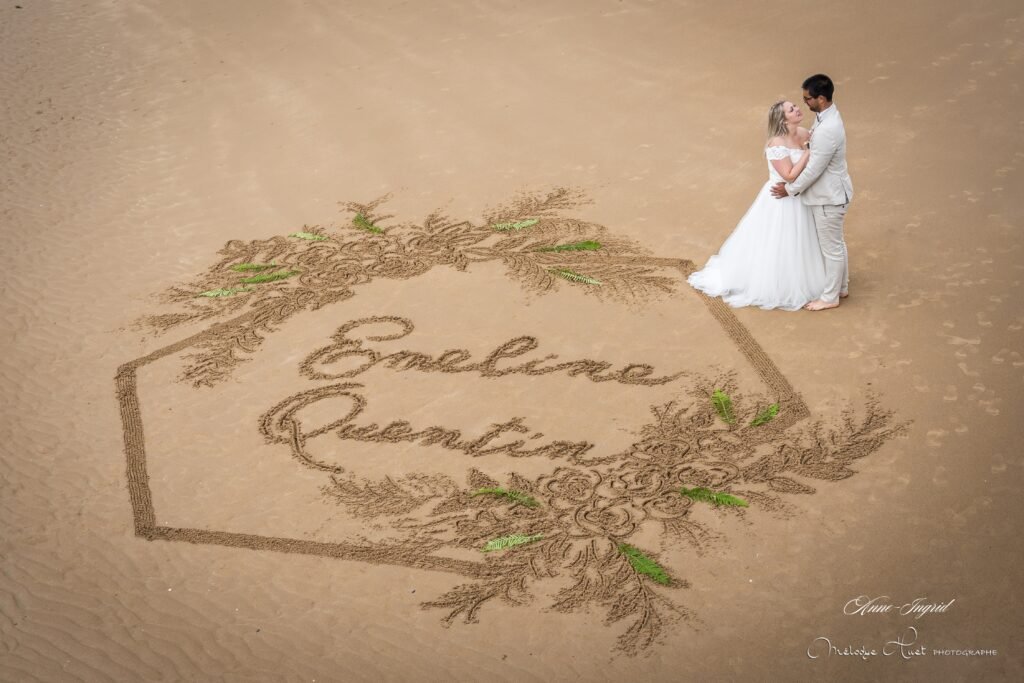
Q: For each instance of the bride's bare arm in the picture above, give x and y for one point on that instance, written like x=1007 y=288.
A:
x=785 y=166
x=799 y=166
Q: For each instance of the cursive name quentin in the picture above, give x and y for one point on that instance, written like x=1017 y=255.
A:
x=283 y=424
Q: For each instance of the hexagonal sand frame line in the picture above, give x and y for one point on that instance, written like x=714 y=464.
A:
x=792 y=410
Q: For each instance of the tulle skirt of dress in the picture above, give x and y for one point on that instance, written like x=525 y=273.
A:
x=771 y=260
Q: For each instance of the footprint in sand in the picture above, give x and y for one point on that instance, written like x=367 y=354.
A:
x=990 y=406
x=911 y=303
x=1000 y=357
x=966 y=371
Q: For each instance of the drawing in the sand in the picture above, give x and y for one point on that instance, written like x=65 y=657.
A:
x=716 y=443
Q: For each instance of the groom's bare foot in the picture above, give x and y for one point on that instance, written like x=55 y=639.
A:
x=820 y=305
x=843 y=295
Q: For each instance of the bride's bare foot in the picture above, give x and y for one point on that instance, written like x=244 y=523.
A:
x=843 y=295
x=820 y=305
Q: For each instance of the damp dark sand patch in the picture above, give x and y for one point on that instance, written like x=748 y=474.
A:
x=592 y=504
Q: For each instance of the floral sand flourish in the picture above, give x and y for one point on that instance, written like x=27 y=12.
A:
x=581 y=515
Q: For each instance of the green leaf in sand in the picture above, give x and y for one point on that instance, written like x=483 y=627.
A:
x=517 y=225
x=766 y=415
x=723 y=405
x=311 y=236
x=212 y=293
x=713 y=497
x=514 y=496
x=361 y=222
x=644 y=565
x=573 y=276
x=269 y=277
x=512 y=541
x=588 y=245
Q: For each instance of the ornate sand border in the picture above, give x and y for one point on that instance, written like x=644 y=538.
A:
x=793 y=410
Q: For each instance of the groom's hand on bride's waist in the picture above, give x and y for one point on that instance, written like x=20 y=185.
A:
x=779 y=190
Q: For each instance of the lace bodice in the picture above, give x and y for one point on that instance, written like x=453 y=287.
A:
x=779 y=152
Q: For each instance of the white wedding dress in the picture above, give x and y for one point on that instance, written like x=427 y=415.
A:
x=772 y=258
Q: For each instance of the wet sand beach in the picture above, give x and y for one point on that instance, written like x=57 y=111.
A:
x=293 y=480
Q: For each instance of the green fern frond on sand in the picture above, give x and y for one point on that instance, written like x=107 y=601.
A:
x=573 y=276
x=644 y=565
x=360 y=222
x=224 y=292
x=512 y=541
x=269 y=277
x=518 y=225
x=311 y=236
x=723 y=404
x=243 y=267
x=766 y=415
x=514 y=496
x=713 y=497
x=588 y=245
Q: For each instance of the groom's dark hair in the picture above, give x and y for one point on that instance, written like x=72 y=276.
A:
x=818 y=85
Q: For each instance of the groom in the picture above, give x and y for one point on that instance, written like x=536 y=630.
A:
x=825 y=186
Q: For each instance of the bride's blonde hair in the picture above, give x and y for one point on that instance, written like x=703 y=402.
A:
x=777 y=121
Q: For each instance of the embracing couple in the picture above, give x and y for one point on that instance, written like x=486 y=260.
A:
x=788 y=250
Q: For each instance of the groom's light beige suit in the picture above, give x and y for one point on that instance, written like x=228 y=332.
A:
x=825 y=186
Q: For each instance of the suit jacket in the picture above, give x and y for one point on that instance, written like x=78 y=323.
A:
x=825 y=179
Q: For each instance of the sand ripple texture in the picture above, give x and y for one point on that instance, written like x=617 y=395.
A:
x=137 y=138
x=92 y=159
x=84 y=163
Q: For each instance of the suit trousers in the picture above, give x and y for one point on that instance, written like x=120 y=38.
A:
x=828 y=220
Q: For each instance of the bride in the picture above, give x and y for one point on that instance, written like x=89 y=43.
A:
x=772 y=258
